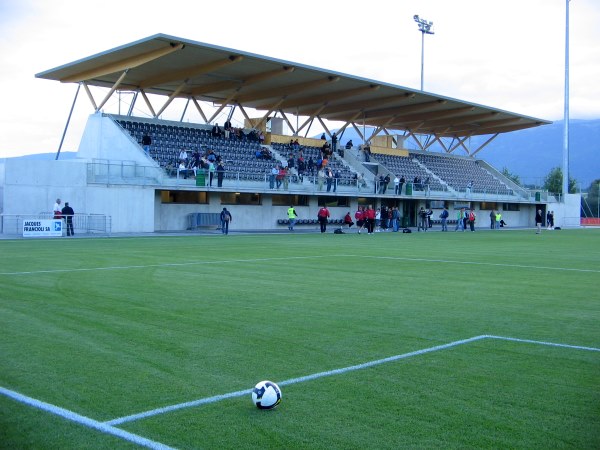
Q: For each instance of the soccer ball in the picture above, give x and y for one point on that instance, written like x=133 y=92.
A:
x=266 y=395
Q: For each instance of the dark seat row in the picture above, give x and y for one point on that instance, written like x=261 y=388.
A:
x=310 y=222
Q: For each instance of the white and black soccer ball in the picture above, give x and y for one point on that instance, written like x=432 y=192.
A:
x=266 y=395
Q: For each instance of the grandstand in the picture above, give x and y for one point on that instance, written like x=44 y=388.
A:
x=114 y=177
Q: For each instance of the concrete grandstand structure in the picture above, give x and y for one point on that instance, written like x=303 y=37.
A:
x=113 y=176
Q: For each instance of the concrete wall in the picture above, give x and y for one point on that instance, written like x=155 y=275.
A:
x=104 y=139
x=31 y=186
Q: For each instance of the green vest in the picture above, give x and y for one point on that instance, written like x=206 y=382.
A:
x=291 y=213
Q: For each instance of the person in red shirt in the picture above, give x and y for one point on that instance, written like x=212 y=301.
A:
x=323 y=216
x=370 y=219
x=348 y=220
x=359 y=215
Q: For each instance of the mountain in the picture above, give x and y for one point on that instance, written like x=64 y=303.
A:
x=533 y=152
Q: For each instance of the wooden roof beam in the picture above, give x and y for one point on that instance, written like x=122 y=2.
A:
x=326 y=98
x=122 y=65
x=238 y=84
x=399 y=111
x=365 y=105
x=191 y=72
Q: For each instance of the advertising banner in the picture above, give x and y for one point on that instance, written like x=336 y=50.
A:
x=48 y=227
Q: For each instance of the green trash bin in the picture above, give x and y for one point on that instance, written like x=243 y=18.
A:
x=409 y=187
x=200 y=178
x=538 y=196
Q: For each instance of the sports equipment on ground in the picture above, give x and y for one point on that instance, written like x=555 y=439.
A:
x=266 y=395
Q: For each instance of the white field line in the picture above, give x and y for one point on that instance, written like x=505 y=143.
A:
x=253 y=260
x=314 y=376
x=86 y=421
x=449 y=261
x=147 y=266
x=550 y=344
x=109 y=428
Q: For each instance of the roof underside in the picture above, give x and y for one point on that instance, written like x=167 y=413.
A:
x=179 y=68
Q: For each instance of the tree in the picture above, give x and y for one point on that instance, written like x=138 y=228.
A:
x=511 y=176
x=590 y=203
x=554 y=182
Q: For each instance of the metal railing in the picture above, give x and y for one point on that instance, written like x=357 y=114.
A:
x=100 y=224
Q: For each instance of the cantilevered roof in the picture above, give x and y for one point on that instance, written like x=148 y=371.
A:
x=180 y=68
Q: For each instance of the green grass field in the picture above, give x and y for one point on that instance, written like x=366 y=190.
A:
x=102 y=329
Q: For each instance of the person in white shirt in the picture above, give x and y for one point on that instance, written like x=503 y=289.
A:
x=183 y=156
x=57 y=209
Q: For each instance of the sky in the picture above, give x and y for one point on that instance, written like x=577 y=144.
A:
x=505 y=54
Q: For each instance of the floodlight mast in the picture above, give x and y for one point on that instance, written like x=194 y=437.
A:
x=425 y=27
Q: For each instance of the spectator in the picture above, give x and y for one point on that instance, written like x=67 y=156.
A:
x=472 y=217
x=320 y=179
x=349 y=144
x=334 y=140
x=323 y=217
x=146 y=142
x=396 y=184
x=386 y=181
x=57 y=210
x=323 y=138
x=68 y=213
x=183 y=156
x=273 y=176
x=211 y=172
x=366 y=149
x=328 y=178
x=395 y=218
x=459 y=220
x=220 y=174
x=336 y=179
x=370 y=219
x=348 y=220
x=444 y=216
x=469 y=187
x=227 y=128
x=216 y=131
x=359 y=215
x=492 y=219
x=311 y=165
x=498 y=220
x=226 y=217
x=538 y=221
x=422 y=220
x=286 y=178
x=292 y=215
x=182 y=170
x=402 y=181
x=280 y=176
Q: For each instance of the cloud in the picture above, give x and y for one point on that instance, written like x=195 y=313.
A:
x=507 y=54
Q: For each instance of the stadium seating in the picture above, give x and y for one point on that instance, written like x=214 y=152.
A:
x=440 y=172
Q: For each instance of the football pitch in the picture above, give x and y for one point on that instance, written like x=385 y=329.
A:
x=423 y=340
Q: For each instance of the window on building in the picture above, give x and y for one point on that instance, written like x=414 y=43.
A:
x=189 y=197
x=287 y=200
x=511 y=206
x=331 y=202
x=241 y=198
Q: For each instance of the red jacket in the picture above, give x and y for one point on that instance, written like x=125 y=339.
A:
x=370 y=214
x=323 y=212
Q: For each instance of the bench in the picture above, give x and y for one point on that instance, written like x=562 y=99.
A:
x=310 y=222
x=197 y=220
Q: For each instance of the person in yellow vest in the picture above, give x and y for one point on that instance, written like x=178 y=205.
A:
x=292 y=215
x=498 y=220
